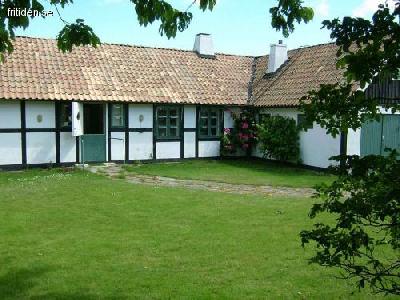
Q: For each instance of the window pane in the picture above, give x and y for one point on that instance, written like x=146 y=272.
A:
x=117 y=115
x=173 y=112
x=162 y=121
x=162 y=132
x=66 y=115
x=301 y=119
x=173 y=132
x=162 y=112
x=204 y=131
x=214 y=121
x=204 y=121
x=214 y=131
x=203 y=114
x=173 y=122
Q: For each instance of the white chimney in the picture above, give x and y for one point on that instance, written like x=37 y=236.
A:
x=277 y=57
x=204 y=45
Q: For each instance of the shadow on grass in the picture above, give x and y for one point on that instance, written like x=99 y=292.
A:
x=75 y=296
x=267 y=165
x=17 y=284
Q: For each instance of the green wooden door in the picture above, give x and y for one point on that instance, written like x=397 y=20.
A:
x=391 y=133
x=377 y=136
x=93 y=148
x=371 y=138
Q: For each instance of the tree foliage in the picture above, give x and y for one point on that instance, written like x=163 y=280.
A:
x=365 y=200
x=278 y=138
x=171 y=19
x=365 y=241
x=287 y=13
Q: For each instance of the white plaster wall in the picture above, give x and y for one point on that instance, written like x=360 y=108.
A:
x=168 y=150
x=140 y=145
x=10 y=114
x=135 y=110
x=67 y=147
x=190 y=144
x=40 y=108
x=41 y=147
x=10 y=149
x=354 y=142
x=316 y=146
x=386 y=111
x=209 y=148
x=117 y=146
x=190 y=116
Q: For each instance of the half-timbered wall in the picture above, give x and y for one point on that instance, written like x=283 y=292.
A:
x=29 y=135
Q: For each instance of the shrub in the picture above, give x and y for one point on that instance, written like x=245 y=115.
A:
x=242 y=137
x=278 y=138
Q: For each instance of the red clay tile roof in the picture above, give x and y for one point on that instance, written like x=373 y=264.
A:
x=38 y=70
x=306 y=69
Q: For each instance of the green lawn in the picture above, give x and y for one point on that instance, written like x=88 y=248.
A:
x=78 y=236
x=235 y=171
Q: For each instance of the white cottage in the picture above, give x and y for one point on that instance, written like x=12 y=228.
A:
x=120 y=103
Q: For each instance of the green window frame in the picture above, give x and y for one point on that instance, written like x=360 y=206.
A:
x=210 y=119
x=301 y=119
x=65 y=116
x=117 y=115
x=168 y=122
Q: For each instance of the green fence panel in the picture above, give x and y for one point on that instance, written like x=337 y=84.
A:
x=93 y=147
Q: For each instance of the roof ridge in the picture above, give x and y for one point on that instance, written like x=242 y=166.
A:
x=139 y=46
x=313 y=46
x=299 y=48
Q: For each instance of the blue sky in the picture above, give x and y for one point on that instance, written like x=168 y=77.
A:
x=238 y=26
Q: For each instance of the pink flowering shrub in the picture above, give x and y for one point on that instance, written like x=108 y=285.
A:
x=242 y=136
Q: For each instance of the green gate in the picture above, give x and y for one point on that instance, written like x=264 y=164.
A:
x=377 y=136
x=93 y=148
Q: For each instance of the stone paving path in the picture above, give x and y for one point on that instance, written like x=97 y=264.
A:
x=115 y=171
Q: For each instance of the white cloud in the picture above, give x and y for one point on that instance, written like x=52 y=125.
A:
x=370 y=6
x=322 y=8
